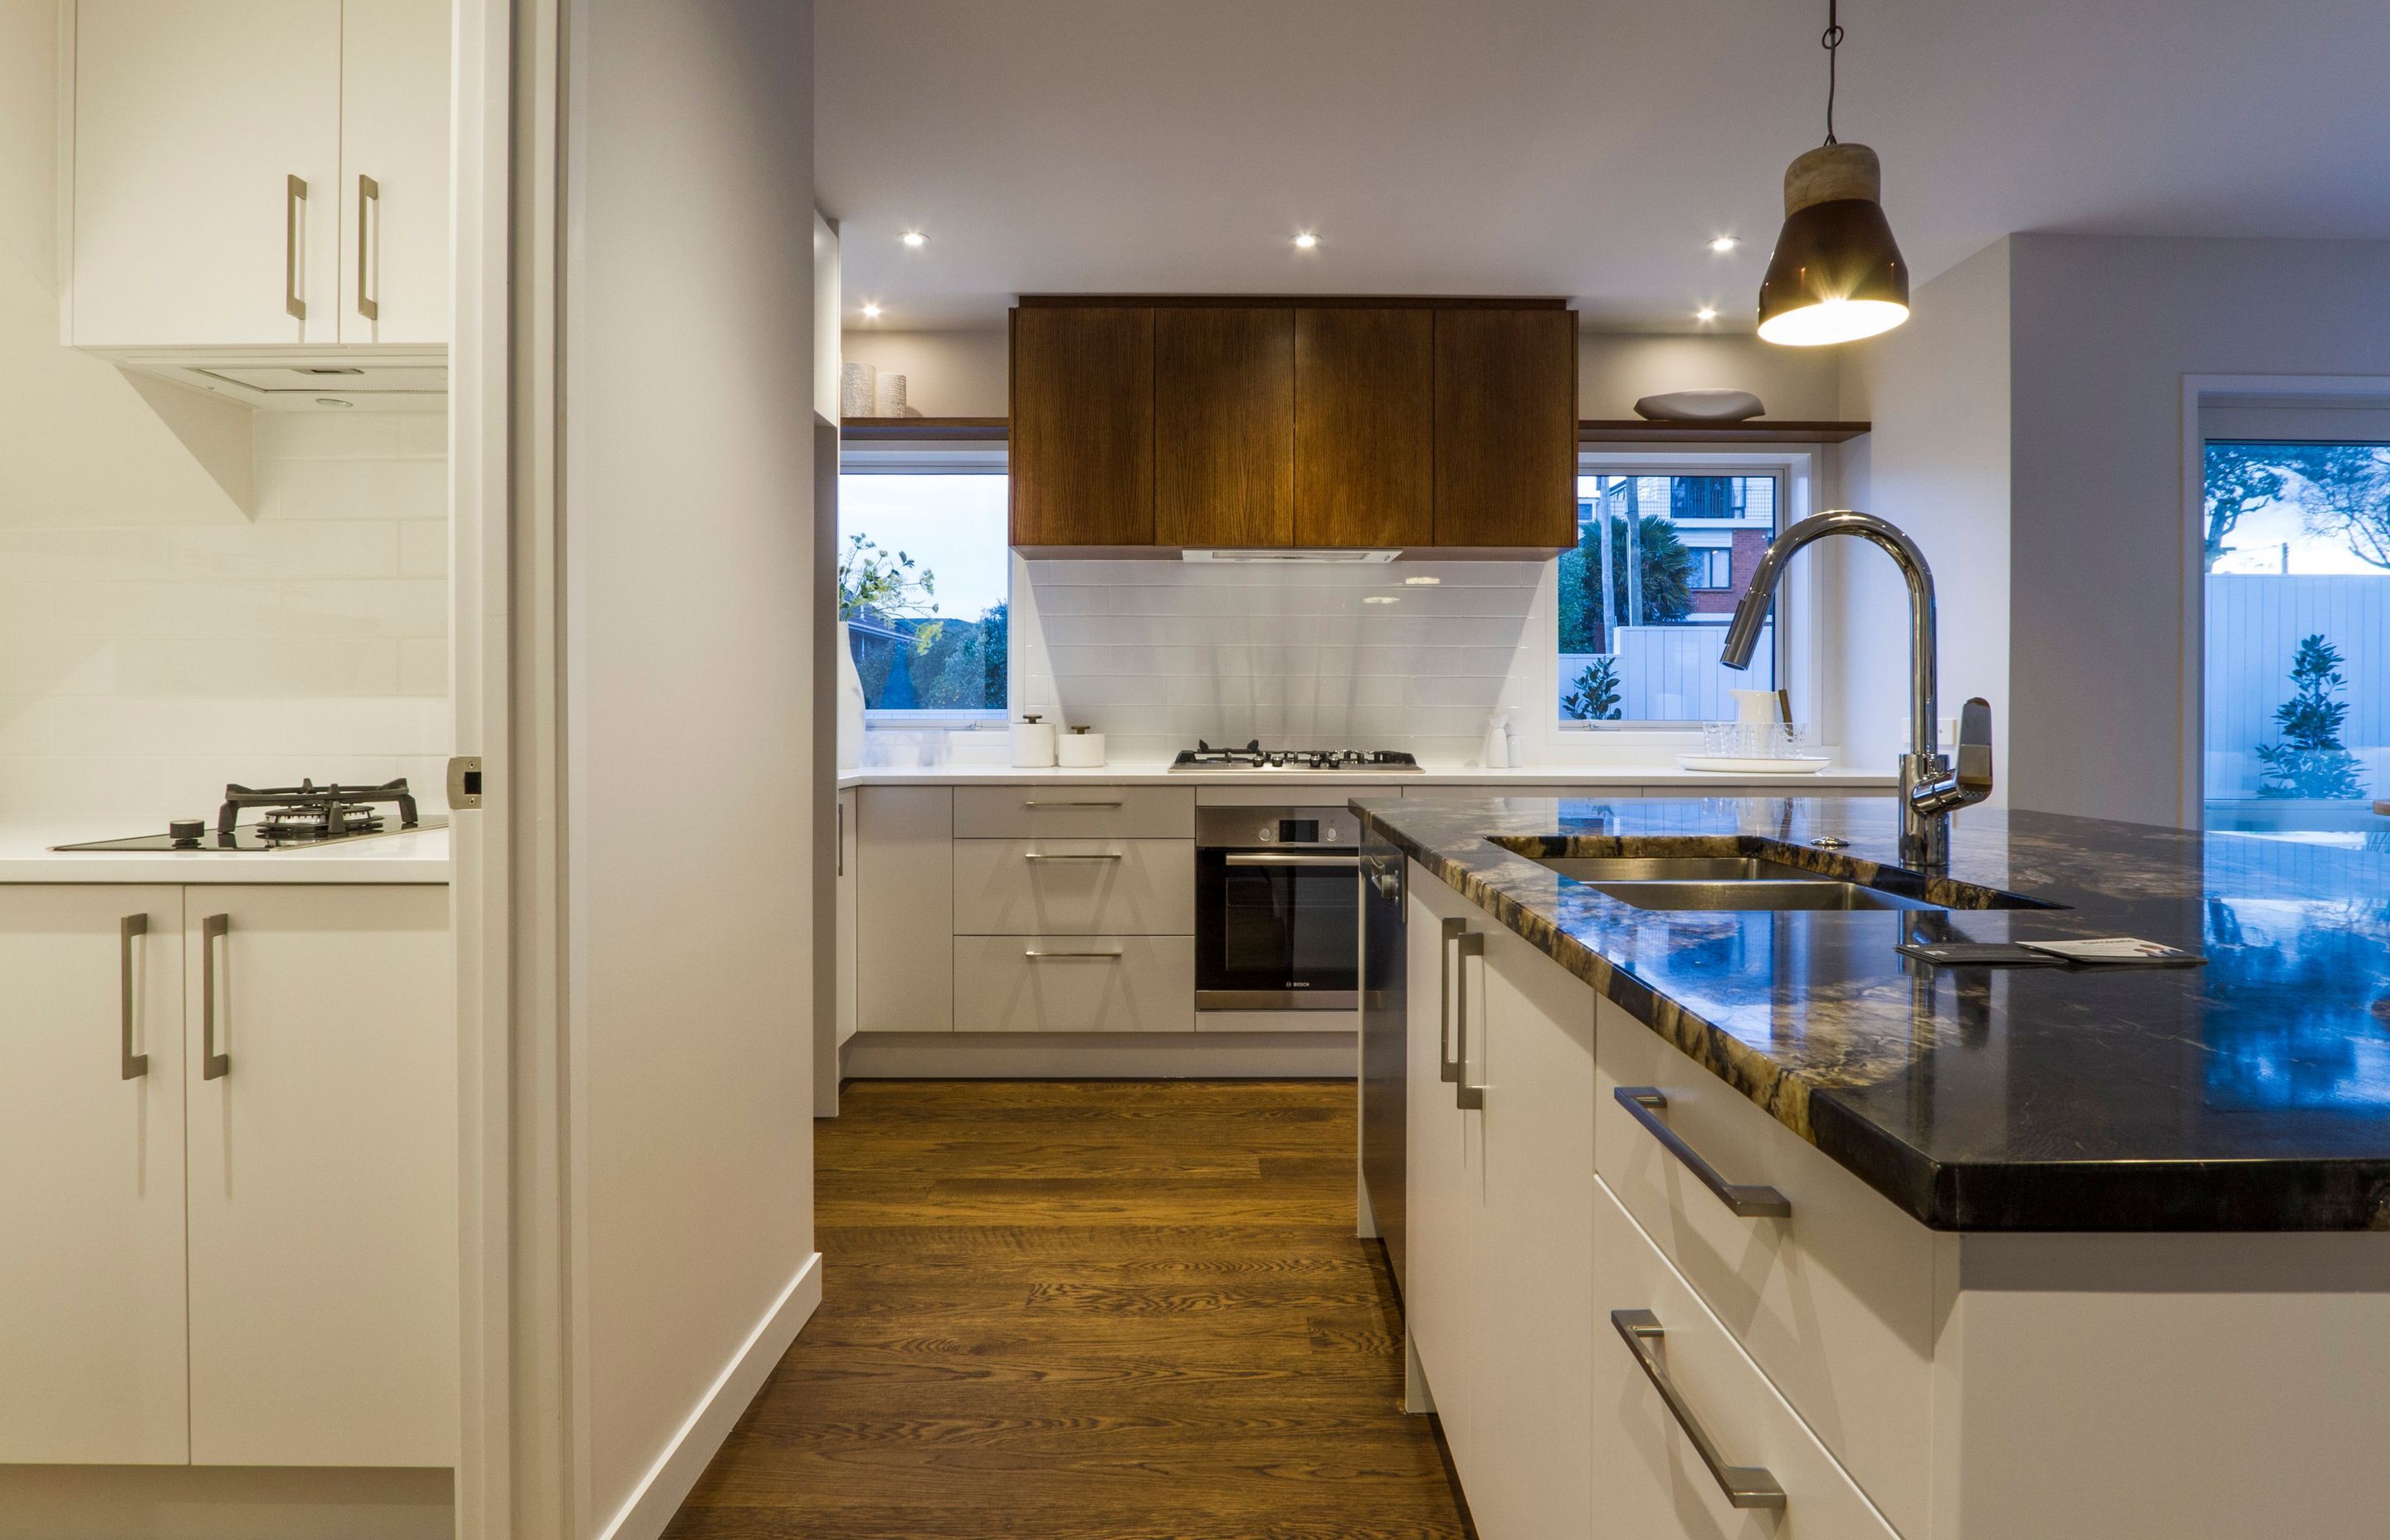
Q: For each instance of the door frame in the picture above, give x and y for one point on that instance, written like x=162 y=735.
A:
x=2198 y=389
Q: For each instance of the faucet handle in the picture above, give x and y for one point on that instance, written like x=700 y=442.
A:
x=1974 y=755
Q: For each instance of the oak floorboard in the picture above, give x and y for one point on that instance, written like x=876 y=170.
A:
x=1087 y=1311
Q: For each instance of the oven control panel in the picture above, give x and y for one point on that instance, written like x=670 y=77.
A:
x=1218 y=827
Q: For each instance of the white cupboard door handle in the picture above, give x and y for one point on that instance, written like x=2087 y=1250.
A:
x=1446 y=1069
x=132 y=1065
x=294 y=207
x=1746 y=1203
x=368 y=192
x=1470 y=944
x=213 y=1065
x=1744 y=1485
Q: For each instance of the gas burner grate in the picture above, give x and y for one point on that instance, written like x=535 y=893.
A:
x=312 y=812
x=1252 y=756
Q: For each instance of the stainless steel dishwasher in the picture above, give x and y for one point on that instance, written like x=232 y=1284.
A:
x=1385 y=1028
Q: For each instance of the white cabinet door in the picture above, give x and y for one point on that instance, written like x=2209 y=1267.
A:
x=394 y=192
x=191 y=119
x=322 y=1176
x=91 y=1207
x=847 y=878
x=904 y=910
x=1527 y=1475
x=1443 y=1197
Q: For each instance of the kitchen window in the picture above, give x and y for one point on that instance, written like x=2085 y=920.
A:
x=1662 y=557
x=925 y=585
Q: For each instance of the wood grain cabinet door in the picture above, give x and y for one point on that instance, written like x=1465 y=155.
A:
x=1506 y=428
x=1364 y=428
x=1082 y=449
x=1224 y=426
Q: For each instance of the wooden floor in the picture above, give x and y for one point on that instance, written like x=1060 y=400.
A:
x=1087 y=1311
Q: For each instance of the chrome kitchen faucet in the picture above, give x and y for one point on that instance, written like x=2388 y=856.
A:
x=1932 y=787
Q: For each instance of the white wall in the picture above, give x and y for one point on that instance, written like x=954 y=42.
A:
x=1937 y=466
x=961 y=374
x=2106 y=328
x=687 y=388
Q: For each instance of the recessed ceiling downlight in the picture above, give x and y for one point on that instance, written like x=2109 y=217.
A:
x=871 y=310
x=914 y=239
x=1305 y=241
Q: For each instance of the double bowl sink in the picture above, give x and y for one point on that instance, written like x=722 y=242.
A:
x=1699 y=880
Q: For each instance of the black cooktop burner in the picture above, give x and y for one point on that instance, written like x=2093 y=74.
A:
x=1252 y=756
x=290 y=817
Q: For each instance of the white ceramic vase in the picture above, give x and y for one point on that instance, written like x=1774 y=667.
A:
x=850 y=703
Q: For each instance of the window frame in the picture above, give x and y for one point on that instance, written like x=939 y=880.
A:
x=941 y=457
x=1798 y=470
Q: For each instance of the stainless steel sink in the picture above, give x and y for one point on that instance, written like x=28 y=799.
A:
x=1697 y=882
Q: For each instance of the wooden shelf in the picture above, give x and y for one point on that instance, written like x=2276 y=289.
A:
x=1589 y=430
x=1756 y=431
x=898 y=430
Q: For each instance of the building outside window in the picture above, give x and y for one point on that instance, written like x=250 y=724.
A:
x=1660 y=560
x=2297 y=666
x=925 y=586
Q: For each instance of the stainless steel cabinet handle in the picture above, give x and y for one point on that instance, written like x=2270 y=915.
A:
x=1113 y=803
x=368 y=191
x=1470 y=944
x=213 y=1065
x=1067 y=856
x=1744 y=1485
x=294 y=207
x=1643 y=1102
x=133 y=1065
x=1289 y=858
x=1035 y=956
x=1445 y=1069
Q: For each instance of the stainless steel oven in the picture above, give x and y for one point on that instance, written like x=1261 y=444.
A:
x=1277 y=911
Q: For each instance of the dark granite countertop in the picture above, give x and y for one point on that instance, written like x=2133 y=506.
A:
x=2250 y=1094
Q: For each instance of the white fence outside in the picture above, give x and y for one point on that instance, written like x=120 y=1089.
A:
x=2254 y=623
x=1672 y=673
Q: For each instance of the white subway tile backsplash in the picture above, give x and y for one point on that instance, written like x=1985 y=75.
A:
x=143 y=667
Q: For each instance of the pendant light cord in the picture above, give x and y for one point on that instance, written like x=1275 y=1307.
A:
x=1831 y=40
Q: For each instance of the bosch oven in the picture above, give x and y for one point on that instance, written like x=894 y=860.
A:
x=1278 y=912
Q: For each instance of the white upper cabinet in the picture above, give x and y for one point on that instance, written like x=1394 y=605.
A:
x=394 y=171
x=218 y=150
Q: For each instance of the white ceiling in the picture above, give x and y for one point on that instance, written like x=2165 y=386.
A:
x=1584 y=148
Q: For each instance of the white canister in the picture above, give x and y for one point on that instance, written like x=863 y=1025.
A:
x=1079 y=749
x=888 y=396
x=858 y=390
x=1033 y=744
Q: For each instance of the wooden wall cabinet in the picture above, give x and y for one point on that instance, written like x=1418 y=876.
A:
x=1150 y=427
x=1365 y=428
x=1506 y=428
x=1082 y=454
x=1223 y=415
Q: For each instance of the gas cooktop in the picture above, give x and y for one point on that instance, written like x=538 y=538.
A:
x=291 y=818
x=1252 y=756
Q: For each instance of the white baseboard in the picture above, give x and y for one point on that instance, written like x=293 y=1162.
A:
x=1099 y=1056
x=667 y=1482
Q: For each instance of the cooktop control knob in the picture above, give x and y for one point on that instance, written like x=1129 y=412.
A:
x=1267 y=834
x=185 y=832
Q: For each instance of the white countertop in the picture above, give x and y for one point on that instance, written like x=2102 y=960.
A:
x=1668 y=774
x=26 y=856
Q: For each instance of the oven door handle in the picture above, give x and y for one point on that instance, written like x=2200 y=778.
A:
x=1289 y=858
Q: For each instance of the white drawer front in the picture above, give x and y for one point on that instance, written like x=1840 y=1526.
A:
x=1649 y=1475
x=1835 y=1302
x=1118 y=812
x=1074 y=887
x=1074 y=983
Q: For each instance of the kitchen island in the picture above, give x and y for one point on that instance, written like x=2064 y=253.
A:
x=1874 y=1246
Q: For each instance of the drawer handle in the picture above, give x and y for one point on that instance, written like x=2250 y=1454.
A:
x=1035 y=956
x=1744 y=1485
x=1115 y=803
x=132 y=1066
x=1469 y=944
x=213 y=1065
x=1747 y=1202
x=1067 y=856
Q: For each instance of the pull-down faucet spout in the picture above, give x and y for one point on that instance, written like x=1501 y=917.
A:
x=1931 y=789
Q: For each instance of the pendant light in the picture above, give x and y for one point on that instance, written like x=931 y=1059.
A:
x=1835 y=275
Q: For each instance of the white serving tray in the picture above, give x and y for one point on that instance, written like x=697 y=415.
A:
x=1795 y=765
